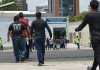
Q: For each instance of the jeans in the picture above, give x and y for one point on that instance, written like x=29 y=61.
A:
x=27 y=51
x=19 y=45
x=40 y=47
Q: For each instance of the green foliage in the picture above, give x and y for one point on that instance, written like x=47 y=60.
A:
x=78 y=18
x=10 y=7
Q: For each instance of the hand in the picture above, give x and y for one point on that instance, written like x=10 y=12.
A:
x=76 y=30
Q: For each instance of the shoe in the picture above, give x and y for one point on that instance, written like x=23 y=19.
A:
x=22 y=60
x=40 y=64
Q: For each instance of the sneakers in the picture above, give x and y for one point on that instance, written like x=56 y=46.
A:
x=40 y=64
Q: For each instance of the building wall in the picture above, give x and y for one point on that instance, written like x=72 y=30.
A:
x=42 y=9
x=57 y=9
x=22 y=5
x=51 y=7
x=67 y=7
x=77 y=9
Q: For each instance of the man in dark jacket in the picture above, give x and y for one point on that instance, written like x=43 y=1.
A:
x=93 y=20
x=38 y=29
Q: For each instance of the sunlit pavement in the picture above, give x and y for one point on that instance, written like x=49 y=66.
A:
x=70 y=58
x=49 y=65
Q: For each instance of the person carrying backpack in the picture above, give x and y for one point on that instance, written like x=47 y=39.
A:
x=15 y=32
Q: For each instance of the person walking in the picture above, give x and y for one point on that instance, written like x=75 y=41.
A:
x=93 y=20
x=77 y=40
x=14 y=31
x=38 y=27
x=62 y=42
x=26 y=33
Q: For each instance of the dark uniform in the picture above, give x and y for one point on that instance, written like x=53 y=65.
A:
x=38 y=27
x=93 y=20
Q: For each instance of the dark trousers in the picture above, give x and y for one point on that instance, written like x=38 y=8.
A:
x=40 y=46
x=78 y=45
x=96 y=49
x=27 y=51
x=19 y=45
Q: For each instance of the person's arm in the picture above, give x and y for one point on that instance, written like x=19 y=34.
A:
x=29 y=32
x=32 y=30
x=84 y=23
x=9 y=33
x=8 y=36
x=49 y=30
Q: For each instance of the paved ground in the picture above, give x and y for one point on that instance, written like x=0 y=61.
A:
x=8 y=56
x=65 y=59
x=49 y=65
x=71 y=63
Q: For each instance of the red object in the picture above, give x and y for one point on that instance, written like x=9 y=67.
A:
x=24 y=21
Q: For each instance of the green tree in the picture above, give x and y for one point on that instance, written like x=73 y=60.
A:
x=6 y=1
x=12 y=7
x=78 y=18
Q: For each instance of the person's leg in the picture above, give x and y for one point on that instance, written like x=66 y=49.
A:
x=98 y=54
x=64 y=45
x=16 y=49
x=27 y=51
x=39 y=55
x=48 y=46
x=95 y=62
x=78 y=45
x=43 y=49
x=39 y=50
x=22 y=48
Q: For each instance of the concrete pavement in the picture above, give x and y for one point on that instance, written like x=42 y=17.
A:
x=65 y=59
x=70 y=52
x=49 y=65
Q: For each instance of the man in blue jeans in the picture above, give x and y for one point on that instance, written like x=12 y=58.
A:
x=38 y=29
x=15 y=32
